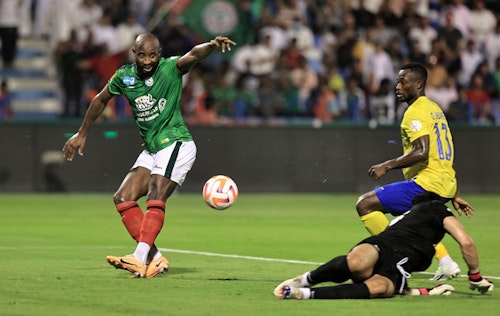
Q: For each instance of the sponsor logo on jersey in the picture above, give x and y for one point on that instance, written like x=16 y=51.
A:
x=129 y=81
x=145 y=102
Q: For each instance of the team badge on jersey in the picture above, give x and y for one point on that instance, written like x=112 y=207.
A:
x=128 y=80
x=149 y=82
x=416 y=125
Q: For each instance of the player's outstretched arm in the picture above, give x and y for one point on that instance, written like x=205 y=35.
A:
x=76 y=143
x=202 y=51
x=469 y=253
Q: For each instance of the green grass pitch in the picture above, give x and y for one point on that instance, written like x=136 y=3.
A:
x=222 y=262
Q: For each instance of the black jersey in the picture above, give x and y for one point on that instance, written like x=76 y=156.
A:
x=415 y=233
x=407 y=245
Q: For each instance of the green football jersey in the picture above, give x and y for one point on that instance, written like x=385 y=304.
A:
x=155 y=103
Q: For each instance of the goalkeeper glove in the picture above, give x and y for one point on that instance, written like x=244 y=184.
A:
x=440 y=289
x=476 y=281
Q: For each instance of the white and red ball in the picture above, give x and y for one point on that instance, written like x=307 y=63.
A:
x=220 y=192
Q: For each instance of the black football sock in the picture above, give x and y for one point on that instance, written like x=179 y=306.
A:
x=336 y=270
x=352 y=291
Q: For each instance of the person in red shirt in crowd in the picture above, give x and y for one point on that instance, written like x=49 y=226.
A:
x=480 y=100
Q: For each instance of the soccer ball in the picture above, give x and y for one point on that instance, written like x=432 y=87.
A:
x=220 y=192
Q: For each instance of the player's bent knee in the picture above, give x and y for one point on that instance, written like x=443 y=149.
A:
x=119 y=197
x=361 y=205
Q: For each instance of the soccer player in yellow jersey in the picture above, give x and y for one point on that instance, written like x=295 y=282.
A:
x=426 y=162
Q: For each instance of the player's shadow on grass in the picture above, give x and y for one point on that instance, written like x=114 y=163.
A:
x=181 y=270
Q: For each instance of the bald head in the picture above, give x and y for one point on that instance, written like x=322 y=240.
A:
x=148 y=39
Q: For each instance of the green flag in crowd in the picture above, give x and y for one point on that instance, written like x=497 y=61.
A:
x=209 y=18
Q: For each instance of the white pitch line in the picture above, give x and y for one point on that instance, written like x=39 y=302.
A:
x=213 y=254
x=222 y=255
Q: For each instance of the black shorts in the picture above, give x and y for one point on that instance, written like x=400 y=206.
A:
x=395 y=261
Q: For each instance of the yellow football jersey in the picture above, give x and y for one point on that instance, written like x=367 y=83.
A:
x=437 y=175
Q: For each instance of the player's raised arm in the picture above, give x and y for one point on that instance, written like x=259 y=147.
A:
x=76 y=143
x=202 y=51
x=419 y=152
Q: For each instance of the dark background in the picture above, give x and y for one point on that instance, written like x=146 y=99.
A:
x=259 y=159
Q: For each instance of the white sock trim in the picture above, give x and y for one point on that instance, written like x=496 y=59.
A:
x=141 y=252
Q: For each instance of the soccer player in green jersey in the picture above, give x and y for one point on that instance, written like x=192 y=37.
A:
x=153 y=87
x=427 y=164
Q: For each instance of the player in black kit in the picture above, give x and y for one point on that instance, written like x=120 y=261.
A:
x=379 y=265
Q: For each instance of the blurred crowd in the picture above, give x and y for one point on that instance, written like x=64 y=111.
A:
x=320 y=60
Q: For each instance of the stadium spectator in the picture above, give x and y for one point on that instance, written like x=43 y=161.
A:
x=483 y=22
x=269 y=103
x=10 y=18
x=353 y=103
x=346 y=41
x=424 y=33
x=326 y=107
x=302 y=34
x=496 y=75
x=415 y=52
x=363 y=16
x=101 y=66
x=142 y=9
x=443 y=95
x=126 y=32
x=420 y=143
x=155 y=99
x=460 y=110
x=480 y=101
x=277 y=33
x=305 y=80
x=398 y=53
x=390 y=15
x=84 y=17
x=461 y=16
x=69 y=55
x=470 y=58
x=253 y=61
x=410 y=18
x=117 y=10
x=5 y=100
x=331 y=14
x=104 y=33
x=364 y=48
x=325 y=33
x=372 y=6
x=40 y=19
x=174 y=36
x=287 y=12
x=451 y=41
x=379 y=266
x=264 y=56
x=442 y=55
x=383 y=104
x=198 y=101
x=382 y=33
x=489 y=84
x=334 y=79
x=492 y=46
x=379 y=66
